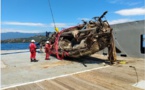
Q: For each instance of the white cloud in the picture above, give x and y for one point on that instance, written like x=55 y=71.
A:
x=18 y=30
x=58 y=25
x=125 y=2
x=24 y=24
x=50 y=26
x=44 y=26
x=61 y=25
x=119 y=21
x=37 y=24
x=131 y=12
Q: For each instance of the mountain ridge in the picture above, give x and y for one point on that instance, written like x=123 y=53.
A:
x=37 y=38
x=14 y=35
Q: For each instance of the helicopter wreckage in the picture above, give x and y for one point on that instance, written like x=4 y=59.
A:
x=84 y=39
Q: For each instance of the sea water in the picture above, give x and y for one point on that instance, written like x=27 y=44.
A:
x=14 y=46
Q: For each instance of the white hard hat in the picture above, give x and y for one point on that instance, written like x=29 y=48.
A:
x=32 y=40
x=47 y=41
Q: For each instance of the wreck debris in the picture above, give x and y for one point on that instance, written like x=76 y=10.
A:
x=84 y=39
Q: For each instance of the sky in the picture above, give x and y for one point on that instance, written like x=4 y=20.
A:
x=34 y=16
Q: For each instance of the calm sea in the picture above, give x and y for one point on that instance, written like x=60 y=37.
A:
x=14 y=46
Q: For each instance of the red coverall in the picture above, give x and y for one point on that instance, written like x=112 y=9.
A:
x=47 y=50
x=32 y=48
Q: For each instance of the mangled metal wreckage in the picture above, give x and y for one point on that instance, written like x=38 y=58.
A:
x=84 y=39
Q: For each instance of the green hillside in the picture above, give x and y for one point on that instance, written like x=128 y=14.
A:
x=24 y=40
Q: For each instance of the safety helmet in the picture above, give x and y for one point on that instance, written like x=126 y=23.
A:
x=32 y=40
x=47 y=41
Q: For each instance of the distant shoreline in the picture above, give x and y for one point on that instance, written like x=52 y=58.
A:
x=7 y=51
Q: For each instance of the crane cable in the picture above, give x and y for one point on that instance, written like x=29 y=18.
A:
x=56 y=29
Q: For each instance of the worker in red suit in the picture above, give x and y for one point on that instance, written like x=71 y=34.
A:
x=32 y=48
x=47 y=50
